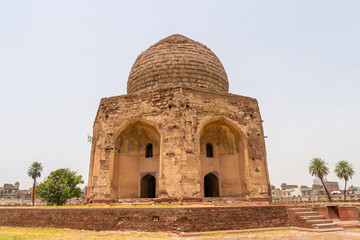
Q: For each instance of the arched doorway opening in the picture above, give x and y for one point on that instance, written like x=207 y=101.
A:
x=211 y=185
x=148 y=186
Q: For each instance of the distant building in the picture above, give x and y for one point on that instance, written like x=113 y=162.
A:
x=24 y=194
x=276 y=193
x=11 y=191
x=318 y=188
x=306 y=191
x=286 y=193
x=289 y=191
x=296 y=192
x=284 y=186
x=354 y=190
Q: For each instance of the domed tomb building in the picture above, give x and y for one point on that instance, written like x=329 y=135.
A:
x=178 y=132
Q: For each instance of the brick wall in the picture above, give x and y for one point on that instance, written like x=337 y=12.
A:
x=148 y=219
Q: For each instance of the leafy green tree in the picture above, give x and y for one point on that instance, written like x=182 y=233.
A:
x=60 y=186
x=344 y=170
x=318 y=168
x=34 y=172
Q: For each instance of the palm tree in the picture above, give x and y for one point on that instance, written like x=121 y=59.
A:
x=318 y=168
x=344 y=170
x=34 y=172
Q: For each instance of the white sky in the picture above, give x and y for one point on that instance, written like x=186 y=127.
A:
x=300 y=59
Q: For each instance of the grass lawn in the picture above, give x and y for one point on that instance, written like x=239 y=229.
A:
x=57 y=233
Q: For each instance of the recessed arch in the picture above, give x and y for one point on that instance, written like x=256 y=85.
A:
x=230 y=123
x=134 y=121
x=230 y=158
x=137 y=150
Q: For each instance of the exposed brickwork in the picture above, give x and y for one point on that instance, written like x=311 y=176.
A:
x=323 y=211
x=348 y=213
x=177 y=59
x=343 y=213
x=201 y=106
x=149 y=219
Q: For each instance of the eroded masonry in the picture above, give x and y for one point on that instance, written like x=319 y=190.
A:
x=178 y=133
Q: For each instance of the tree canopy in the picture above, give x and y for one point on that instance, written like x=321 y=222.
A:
x=344 y=170
x=318 y=168
x=35 y=169
x=60 y=186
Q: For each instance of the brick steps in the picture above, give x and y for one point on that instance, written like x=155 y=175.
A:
x=325 y=225
x=318 y=221
x=312 y=223
x=298 y=209
x=307 y=218
x=306 y=214
x=314 y=217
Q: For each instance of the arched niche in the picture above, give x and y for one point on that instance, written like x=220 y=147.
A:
x=137 y=151
x=222 y=150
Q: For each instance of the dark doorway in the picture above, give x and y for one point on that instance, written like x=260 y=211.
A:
x=211 y=185
x=149 y=150
x=333 y=212
x=209 y=150
x=148 y=186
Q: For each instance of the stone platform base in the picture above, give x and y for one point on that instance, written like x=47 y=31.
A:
x=148 y=219
x=181 y=201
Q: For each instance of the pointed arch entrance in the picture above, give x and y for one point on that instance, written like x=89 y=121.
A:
x=223 y=150
x=137 y=151
x=148 y=186
x=211 y=185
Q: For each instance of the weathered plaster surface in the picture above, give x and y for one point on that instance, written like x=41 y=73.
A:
x=181 y=116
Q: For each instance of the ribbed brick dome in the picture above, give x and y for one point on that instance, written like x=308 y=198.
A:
x=177 y=60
